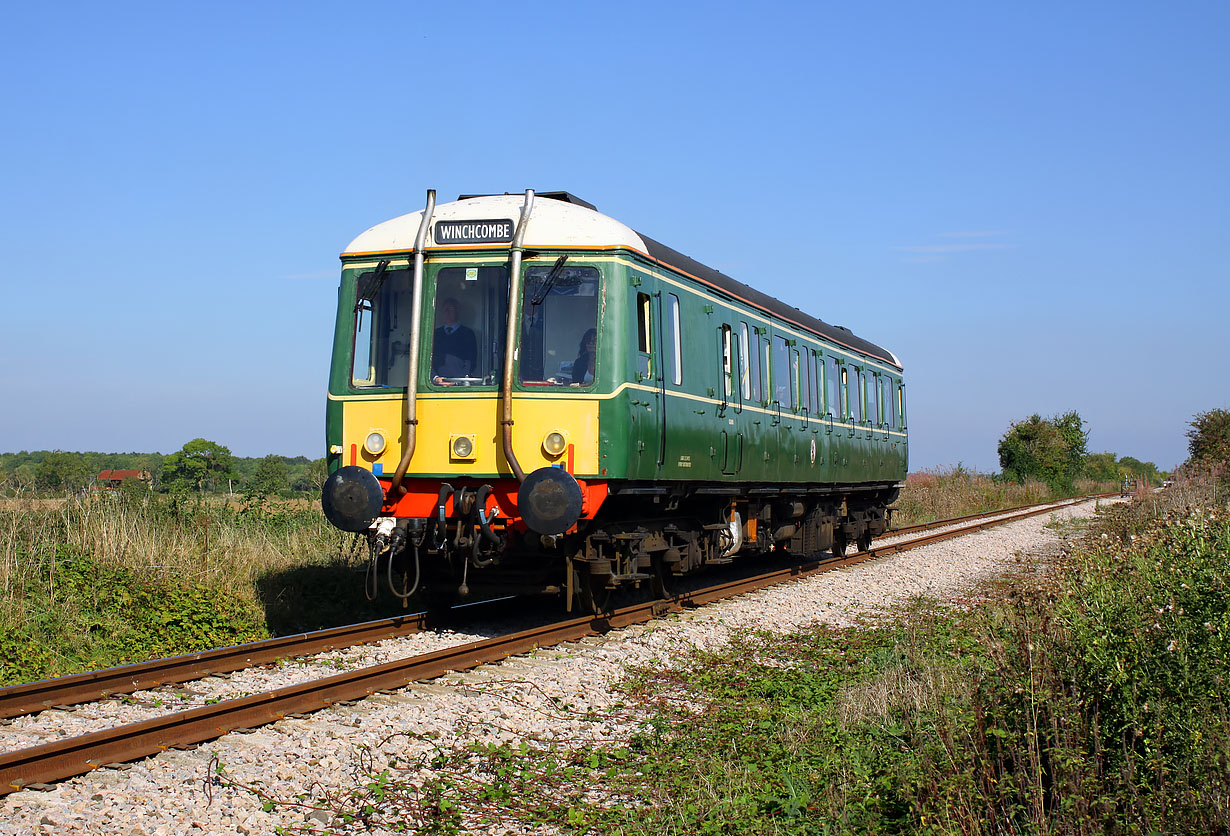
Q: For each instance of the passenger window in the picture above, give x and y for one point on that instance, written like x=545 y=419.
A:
x=781 y=371
x=843 y=394
x=763 y=360
x=746 y=360
x=726 y=360
x=855 y=381
x=813 y=373
x=890 y=401
x=901 y=404
x=674 y=339
x=834 y=380
x=643 y=343
x=799 y=369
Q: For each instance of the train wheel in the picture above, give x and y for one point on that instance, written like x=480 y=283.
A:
x=663 y=581
x=840 y=543
x=593 y=597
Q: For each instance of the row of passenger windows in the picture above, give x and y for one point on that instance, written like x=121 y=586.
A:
x=755 y=369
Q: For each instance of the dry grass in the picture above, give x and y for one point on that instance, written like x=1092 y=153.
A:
x=184 y=542
x=943 y=493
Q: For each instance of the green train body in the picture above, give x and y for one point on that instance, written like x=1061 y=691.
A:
x=712 y=422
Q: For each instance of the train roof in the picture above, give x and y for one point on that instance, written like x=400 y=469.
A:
x=561 y=219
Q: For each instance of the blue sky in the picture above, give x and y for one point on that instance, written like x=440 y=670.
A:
x=1029 y=204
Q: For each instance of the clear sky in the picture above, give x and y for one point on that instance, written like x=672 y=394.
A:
x=1029 y=203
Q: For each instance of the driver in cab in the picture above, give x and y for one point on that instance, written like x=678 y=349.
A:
x=454 y=351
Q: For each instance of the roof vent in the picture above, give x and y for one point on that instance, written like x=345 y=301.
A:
x=566 y=197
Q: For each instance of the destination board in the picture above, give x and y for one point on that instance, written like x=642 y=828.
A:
x=494 y=231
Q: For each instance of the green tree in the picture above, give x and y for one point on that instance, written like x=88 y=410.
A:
x=271 y=477
x=1051 y=450
x=61 y=471
x=1208 y=440
x=201 y=465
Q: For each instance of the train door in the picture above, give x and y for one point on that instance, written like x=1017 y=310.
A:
x=648 y=402
x=732 y=364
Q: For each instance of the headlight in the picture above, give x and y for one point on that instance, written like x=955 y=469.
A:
x=554 y=443
x=462 y=446
x=374 y=443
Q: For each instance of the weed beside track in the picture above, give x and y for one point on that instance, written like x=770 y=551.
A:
x=1087 y=697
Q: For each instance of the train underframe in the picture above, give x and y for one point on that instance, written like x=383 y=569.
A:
x=644 y=537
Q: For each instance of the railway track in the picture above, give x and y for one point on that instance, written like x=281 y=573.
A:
x=78 y=755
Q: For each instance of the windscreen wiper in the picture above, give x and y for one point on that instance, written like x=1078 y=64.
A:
x=369 y=289
x=549 y=281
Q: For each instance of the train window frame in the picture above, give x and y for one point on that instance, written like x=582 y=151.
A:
x=854 y=398
x=675 y=361
x=725 y=362
x=541 y=351
x=837 y=374
x=901 y=405
x=745 y=358
x=763 y=369
x=878 y=412
x=644 y=335
x=386 y=351
x=813 y=401
x=799 y=372
x=779 y=358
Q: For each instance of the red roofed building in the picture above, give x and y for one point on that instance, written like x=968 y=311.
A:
x=109 y=480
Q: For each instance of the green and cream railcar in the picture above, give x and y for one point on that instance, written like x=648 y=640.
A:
x=525 y=387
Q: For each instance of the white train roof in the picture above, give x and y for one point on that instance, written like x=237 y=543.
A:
x=553 y=222
x=560 y=219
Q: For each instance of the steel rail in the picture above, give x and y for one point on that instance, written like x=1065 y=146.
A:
x=78 y=755
x=33 y=697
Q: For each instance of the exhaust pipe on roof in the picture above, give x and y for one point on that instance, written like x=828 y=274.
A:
x=416 y=317
x=510 y=337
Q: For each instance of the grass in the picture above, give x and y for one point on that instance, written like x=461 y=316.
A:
x=104 y=580
x=88 y=582
x=943 y=493
x=1088 y=698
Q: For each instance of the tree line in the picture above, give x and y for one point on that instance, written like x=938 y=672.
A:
x=200 y=466
x=1053 y=450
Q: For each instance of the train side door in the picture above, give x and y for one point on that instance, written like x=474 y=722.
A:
x=648 y=399
x=733 y=392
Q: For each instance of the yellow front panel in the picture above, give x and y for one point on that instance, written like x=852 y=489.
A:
x=442 y=417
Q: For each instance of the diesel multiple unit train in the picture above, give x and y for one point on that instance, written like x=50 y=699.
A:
x=526 y=394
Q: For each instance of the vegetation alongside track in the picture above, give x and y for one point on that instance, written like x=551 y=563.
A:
x=125 y=576
x=1088 y=698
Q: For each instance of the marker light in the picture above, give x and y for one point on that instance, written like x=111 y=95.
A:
x=463 y=446
x=374 y=443
x=554 y=443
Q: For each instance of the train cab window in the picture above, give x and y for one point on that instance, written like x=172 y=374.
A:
x=674 y=339
x=781 y=371
x=835 y=378
x=381 y=355
x=466 y=328
x=746 y=361
x=644 y=315
x=727 y=361
x=559 y=325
